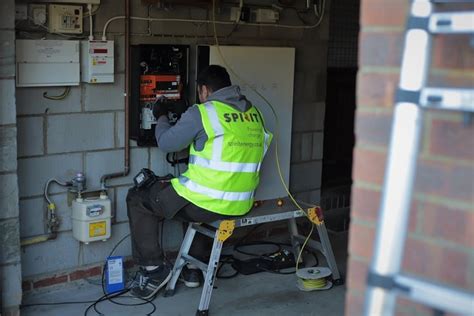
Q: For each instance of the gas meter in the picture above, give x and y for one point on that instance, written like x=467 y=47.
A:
x=91 y=218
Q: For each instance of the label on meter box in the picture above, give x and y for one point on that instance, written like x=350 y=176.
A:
x=114 y=275
x=97 y=229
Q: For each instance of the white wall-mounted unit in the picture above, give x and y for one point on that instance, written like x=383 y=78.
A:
x=97 y=61
x=41 y=63
x=269 y=70
x=65 y=18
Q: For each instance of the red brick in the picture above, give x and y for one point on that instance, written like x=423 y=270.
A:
x=361 y=240
x=405 y=307
x=369 y=165
x=447 y=180
x=26 y=286
x=373 y=128
x=81 y=274
x=376 y=89
x=380 y=49
x=357 y=274
x=365 y=203
x=383 y=12
x=451 y=79
x=50 y=281
x=435 y=262
x=354 y=303
x=452 y=139
x=449 y=224
x=453 y=52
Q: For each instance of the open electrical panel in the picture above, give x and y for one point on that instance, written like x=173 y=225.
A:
x=159 y=77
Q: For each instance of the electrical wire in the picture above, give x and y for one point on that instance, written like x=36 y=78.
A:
x=91 y=24
x=111 y=296
x=213 y=21
x=94 y=12
x=62 y=96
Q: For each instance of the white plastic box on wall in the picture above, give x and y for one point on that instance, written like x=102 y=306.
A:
x=41 y=63
x=97 y=61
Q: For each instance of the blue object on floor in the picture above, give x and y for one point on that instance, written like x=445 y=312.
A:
x=114 y=276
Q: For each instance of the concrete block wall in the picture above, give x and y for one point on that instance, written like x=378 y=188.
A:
x=10 y=265
x=440 y=244
x=84 y=132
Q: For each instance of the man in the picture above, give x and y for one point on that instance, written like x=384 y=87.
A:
x=228 y=141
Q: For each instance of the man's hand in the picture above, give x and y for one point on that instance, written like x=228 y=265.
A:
x=159 y=109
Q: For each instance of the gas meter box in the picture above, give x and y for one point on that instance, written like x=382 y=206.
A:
x=91 y=219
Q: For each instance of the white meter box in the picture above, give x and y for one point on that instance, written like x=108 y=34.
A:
x=97 y=61
x=65 y=18
x=41 y=63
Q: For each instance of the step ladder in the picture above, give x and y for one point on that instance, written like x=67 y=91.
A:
x=385 y=280
x=220 y=231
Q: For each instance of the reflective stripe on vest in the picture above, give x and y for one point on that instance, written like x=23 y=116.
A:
x=218 y=130
x=216 y=194
x=223 y=165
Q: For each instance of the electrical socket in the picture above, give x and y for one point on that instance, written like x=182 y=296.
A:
x=38 y=13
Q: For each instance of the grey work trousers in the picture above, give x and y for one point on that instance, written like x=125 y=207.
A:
x=147 y=207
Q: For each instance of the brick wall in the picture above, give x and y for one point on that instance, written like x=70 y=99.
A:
x=440 y=243
x=10 y=267
x=84 y=132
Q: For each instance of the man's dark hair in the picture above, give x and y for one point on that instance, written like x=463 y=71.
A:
x=214 y=77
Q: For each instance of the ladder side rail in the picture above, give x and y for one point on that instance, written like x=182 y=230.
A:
x=401 y=165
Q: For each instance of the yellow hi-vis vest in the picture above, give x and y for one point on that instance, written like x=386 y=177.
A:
x=222 y=178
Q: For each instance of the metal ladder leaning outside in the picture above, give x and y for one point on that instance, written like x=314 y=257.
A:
x=385 y=281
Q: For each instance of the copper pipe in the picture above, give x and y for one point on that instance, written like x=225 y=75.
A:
x=126 y=169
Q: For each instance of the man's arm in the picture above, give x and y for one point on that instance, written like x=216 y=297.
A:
x=182 y=134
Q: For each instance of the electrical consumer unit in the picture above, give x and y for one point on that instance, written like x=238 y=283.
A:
x=42 y=63
x=97 y=61
x=65 y=18
x=91 y=219
x=159 y=79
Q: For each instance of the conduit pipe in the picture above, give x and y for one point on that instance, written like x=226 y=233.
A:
x=126 y=169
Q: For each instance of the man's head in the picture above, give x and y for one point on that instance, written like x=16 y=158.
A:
x=211 y=79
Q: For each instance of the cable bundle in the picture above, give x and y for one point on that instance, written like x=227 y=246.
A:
x=313 y=279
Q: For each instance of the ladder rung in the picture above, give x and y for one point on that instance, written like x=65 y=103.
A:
x=448 y=99
x=204 y=230
x=435 y=295
x=195 y=261
x=451 y=23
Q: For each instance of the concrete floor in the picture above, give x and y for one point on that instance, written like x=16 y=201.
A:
x=258 y=294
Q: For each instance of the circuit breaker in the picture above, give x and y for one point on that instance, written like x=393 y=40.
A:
x=65 y=18
x=159 y=78
x=97 y=61
x=41 y=63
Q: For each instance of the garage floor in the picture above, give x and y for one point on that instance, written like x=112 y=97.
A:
x=258 y=294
